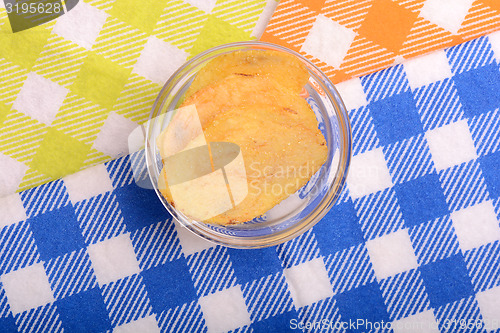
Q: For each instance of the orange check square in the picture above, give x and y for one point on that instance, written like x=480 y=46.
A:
x=388 y=24
x=493 y=4
x=315 y=5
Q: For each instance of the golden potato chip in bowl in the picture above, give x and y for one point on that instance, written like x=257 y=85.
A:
x=282 y=67
x=248 y=145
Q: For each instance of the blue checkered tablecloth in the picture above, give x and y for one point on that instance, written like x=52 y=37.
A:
x=412 y=243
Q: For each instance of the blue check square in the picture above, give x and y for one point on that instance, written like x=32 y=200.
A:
x=56 y=232
x=339 y=229
x=84 y=312
x=490 y=165
x=446 y=280
x=8 y=324
x=396 y=118
x=479 y=89
x=421 y=200
x=364 y=303
x=252 y=265
x=169 y=285
x=140 y=207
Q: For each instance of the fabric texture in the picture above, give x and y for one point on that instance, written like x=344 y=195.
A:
x=350 y=38
x=414 y=239
x=73 y=88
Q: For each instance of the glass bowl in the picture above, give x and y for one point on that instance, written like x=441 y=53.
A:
x=303 y=209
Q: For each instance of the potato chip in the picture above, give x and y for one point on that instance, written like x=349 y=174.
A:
x=288 y=70
x=280 y=155
x=234 y=90
x=250 y=102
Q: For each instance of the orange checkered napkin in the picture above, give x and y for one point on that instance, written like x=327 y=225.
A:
x=350 y=38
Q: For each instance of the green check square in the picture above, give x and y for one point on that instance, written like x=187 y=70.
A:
x=100 y=80
x=59 y=155
x=24 y=47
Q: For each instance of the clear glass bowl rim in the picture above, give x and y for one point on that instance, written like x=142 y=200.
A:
x=335 y=187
